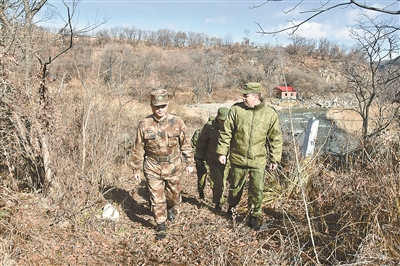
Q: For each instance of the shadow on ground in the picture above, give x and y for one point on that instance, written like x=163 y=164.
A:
x=132 y=208
x=186 y=197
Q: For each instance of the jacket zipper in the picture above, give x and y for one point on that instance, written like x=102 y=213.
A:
x=250 y=136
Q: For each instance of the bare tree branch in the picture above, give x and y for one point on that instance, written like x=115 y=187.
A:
x=323 y=8
x=374 y=81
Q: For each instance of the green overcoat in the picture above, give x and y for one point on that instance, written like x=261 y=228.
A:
x=252 y=135
x=207 y=141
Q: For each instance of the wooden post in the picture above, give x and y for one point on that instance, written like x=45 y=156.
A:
x=310 y=137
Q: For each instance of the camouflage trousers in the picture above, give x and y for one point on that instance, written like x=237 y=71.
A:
x=218 y=175
x=202 y=171
x=164 y=183
x=256 y=186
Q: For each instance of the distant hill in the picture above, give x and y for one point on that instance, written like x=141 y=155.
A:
x=395 y=62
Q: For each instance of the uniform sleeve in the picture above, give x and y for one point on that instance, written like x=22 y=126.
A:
x=136 y=161
x=275 y=141
x=225 y=137
x=193 y=140
x=202 y=143
x=185 y=147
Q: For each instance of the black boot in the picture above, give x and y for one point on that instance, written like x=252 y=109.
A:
x=201 y=194
x=171 y=214
x=254 y=223
x=162 y=231
x=218 y=208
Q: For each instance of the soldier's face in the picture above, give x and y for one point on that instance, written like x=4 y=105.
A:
x=159 y=111
x=251 y=99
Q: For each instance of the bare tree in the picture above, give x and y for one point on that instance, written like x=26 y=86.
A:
x=144 y=65
x=211 y=65
x=303 y=45
x=103 y=36
x=247 y=72
x=196 y=39
x=26 y=107
x=180 y=39
x=197 y=84
x=375 y=80
x=228 y=40
x=325 y=6
x=324 y=47
x=172 y=69
x=131 y=35
x=268 y=61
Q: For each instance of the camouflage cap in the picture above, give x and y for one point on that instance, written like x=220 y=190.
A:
x=223 y=113
x=159 y=97
x=251 y=87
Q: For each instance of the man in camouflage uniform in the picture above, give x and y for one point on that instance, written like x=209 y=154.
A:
x=253 y=135
x=205 y=150
x=202 y=169
x=161 y=140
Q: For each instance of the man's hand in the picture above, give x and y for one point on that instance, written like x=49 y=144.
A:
x=222 y=159
x=136 y=176
x=189 y=170
x=273 y=166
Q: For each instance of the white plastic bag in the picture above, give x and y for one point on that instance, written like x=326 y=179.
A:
x=110 y=213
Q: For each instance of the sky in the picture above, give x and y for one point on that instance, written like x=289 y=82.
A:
x=237 y=19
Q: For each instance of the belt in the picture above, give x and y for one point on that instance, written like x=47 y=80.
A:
x=163 y=159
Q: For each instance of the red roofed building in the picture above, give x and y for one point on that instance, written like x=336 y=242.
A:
x=285 y=92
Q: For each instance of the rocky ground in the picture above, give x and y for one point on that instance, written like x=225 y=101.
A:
x=340 y=101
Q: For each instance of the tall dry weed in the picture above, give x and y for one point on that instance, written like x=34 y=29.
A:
x=353 y=206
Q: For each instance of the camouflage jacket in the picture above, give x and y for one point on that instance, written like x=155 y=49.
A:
x=207 y=142
x=252 y=135
x=165 y=137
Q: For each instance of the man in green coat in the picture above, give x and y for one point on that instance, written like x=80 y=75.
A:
x=253 y=136
x=201 y=167
x=205 y=150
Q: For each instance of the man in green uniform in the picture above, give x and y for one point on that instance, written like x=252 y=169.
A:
x=202 y=170
x=252 y=134
x=205 y=150
x=161 y=140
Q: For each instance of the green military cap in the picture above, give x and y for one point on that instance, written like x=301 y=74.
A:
x=222 y=113
x=159 y=97
x=251 y=87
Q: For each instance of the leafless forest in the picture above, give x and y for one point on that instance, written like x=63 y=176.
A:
x=69 y=107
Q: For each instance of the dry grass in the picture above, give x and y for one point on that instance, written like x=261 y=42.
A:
x=354 y=221
x=348 y=120
x=351 y=121
x=352 y=213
